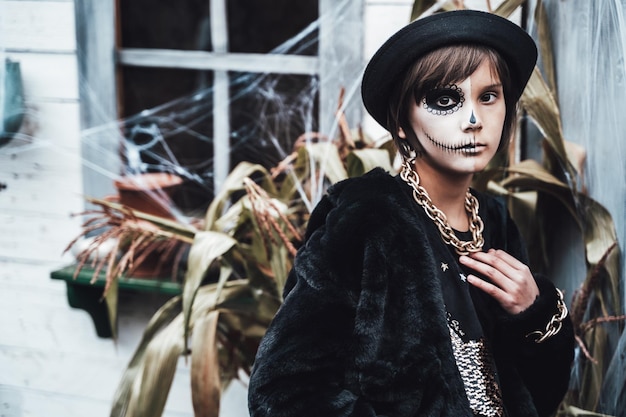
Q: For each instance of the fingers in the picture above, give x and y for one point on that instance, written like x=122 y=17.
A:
x=510 y=281
x=504 y=256
x=496 y=266
x=489 y=288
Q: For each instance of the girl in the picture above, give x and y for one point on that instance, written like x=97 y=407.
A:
x=412 y=295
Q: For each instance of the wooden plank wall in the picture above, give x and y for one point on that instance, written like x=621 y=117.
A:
x=51 y=361
x=382 y=18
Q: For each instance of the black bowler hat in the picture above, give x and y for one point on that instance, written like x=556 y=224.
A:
x=395 y=56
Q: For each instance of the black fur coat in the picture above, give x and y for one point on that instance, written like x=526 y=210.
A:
x=362 y=331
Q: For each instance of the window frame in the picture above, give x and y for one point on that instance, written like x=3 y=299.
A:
x=99 y=58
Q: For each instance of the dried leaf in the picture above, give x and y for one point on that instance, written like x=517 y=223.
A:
x=279 y=266
x=506 y=8
x=159 y=367
x=361 y=161
x=540 y=104
x=420 y=6
x=571 y=411
x=207 y=247
x=205 y=370
x=324 y=157
x=232 y=184
x=111 y=299
x=545 y=45
x=125 y=389
x=176 y=229
x=530 y=175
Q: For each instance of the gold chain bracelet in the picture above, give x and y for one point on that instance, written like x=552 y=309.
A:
x=555 y=323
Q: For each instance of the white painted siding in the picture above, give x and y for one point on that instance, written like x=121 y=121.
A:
x=51 y=361
x=382 y=19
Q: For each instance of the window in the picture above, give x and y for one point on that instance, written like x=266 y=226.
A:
x=181 y=81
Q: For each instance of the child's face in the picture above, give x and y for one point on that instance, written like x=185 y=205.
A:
x=459 y=126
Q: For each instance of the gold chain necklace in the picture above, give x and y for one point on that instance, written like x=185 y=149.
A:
x=409 y=175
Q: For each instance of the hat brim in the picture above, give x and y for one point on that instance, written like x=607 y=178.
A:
x=396 y=55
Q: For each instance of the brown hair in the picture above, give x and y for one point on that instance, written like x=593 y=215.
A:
x=444 y=66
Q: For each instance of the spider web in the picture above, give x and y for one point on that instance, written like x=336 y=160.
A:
x=268 y=113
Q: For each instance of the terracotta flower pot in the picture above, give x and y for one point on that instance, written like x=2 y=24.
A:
x=149 y=192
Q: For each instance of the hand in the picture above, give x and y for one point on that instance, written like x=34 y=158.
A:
x=511 y=282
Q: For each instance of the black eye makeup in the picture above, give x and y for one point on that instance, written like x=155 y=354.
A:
x=444 y=100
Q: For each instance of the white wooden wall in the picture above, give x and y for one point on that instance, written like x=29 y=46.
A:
x=51 y=361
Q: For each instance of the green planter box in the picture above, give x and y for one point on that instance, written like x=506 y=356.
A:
x=82 y=294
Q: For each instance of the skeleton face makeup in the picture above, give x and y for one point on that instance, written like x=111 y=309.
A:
x=459 y=126
x=444 y=100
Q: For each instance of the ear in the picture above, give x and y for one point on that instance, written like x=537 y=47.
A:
x=401 y=133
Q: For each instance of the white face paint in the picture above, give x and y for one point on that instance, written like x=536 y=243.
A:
x=459 y=126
